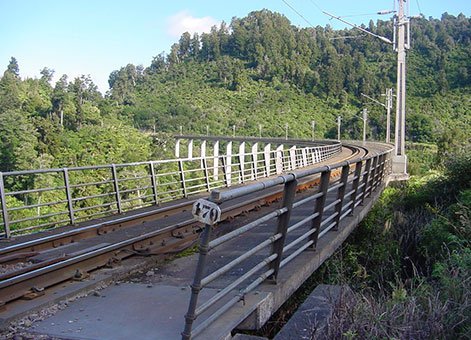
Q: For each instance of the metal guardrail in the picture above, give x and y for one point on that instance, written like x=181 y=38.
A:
x=360 y=177
x=35 y=200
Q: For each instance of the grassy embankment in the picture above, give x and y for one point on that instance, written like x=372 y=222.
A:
x=409 y=262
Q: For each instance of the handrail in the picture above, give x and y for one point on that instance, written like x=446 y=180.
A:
x=93 y=191
x=358 y=178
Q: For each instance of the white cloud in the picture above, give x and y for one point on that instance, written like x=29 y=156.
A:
x=184 y=22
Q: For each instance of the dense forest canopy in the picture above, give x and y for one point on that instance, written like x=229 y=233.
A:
x=258 y=70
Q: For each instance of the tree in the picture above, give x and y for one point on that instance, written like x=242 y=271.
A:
x=47 y=74
x=122 y=84
x=18 y=142
x=11 y=91
x=13 y=68
x=86 y=99
x=184 y=46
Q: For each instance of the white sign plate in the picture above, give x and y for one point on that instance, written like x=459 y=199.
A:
x=206 y=212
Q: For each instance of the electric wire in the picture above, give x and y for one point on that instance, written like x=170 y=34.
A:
x=294 y=9
x=357 y=15
x=348 y=37
x=418 y=6
x=316 y=5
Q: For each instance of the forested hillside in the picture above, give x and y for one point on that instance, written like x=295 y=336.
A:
x=259 y=70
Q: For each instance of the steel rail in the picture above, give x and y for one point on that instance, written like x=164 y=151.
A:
x=349 y=172
x=240 y=168
x=16 y=286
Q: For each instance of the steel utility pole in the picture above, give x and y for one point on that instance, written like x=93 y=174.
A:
x=388 y=107
x=313 y=125
x=401 y=44
x=389 y=96
x=365 y=118
x=339 y=122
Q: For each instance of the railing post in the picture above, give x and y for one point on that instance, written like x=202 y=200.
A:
x=373 y=175
x=254 y=161
x=341 y=193
x=282 y=228
x=216 y=160
x=206 y=173
x=177 y=148
x=279 y=159
x=182 y=177
x=378 y=172
x=203 y=152
x=116 y=188
x=381 y=168
x=223 y=162
x=266 y=154
x=154 y=183
x=228 y=164
x=313 y=156
x=190 y=149
x=365 y=180
x=304 y=156
x=68 y=194
x=356 y=183
x=292 y=157
x=6 y=220
x=318 y=155
x=242 y=162
x=374 y=183
x=320 y=203
x=190 y=316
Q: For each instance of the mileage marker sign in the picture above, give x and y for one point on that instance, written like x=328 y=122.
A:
x=206 y=212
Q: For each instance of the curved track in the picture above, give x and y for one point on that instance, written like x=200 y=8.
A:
x=72 y=254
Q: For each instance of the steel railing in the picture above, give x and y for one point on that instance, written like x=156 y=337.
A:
x=354 y=182
x=35 y=200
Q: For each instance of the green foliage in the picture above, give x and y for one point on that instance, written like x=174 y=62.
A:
x=422 y=158
x=413 y=253
x=18 y=141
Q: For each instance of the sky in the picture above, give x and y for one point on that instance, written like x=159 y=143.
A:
x=95 y=37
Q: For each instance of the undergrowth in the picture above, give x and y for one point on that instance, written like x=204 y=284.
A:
x=409 y=262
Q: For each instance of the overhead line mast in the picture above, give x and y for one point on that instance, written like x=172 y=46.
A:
x=401 y=22
x=401 y=39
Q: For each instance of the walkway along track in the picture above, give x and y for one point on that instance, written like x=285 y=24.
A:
x=79 y=261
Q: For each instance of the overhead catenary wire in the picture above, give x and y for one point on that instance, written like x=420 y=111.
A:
x=348 y=37
x=418 y=6
x=316 y=5
x=294 y=9
x=357 y=15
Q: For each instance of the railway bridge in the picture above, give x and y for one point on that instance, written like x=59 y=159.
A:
x=265 y=212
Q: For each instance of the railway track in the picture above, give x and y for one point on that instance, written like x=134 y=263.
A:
x=46 y=261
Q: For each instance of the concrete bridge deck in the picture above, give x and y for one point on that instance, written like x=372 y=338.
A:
x=152 y=307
